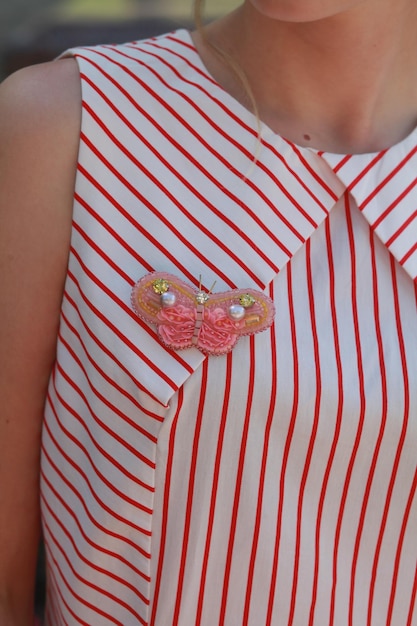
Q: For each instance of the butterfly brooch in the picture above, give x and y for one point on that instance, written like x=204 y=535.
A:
x=186 y=317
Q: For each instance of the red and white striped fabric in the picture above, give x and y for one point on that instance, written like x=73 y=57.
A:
x=275 y=485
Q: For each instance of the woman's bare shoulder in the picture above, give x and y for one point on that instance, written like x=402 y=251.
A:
x=40 y=116
x=39 y=137
x=41 y=101
x=40 y=113
x=43 y=88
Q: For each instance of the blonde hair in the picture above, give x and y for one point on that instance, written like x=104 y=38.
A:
x=198 y=9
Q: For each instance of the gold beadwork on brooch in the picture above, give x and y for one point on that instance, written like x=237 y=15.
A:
x=246 y=300
x=160 y=286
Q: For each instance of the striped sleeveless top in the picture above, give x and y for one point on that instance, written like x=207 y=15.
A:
x=271 y=486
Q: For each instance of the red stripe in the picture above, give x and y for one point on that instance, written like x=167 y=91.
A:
x=337 y=426
x=241 y=463
x=195 y=162
x=253 y=131
x=215 y=485
x=165 y=220
x=236 y=118
x=165 y=510
x=125 y=308
x=135 y=349
x=87 y=583
x=58 y=588
x=128 y=216
x=311 y=171
x=313 y=434
x=123 y=305
x=87 y=510
x=118 y=364
x=366 y=169
x=401 y=441
x=287 y=447
x=384 y=409
x=401 y=229
x=387 y=179
x=211 y=121
x=411 y=613
x=97 y=547
x=186 y=182
x=261 y=488
x=394 y=204
x=118 y=415
x=83 y=475
x=109 y=458
x=341 y=163
x=100 y=252
x=361 y=416
x=397 y=563
x=190 y=495
x=190 y=48
x=112 y=383
x=409 y=253
x=90 y=564
x=120 y=240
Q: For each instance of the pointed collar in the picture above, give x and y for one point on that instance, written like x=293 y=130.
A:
x=384 y=186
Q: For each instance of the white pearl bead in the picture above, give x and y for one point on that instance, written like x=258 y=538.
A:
x=236 y=312
x=168 y=299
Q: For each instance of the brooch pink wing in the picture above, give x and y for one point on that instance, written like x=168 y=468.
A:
x=187 y=317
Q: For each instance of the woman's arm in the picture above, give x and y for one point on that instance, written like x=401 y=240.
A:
x=39 y=133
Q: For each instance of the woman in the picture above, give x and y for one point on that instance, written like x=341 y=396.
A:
x=269 y=480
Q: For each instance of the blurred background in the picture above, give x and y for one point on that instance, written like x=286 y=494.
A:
x=33 y=31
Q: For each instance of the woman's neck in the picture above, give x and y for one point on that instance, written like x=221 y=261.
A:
x=347 y=83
